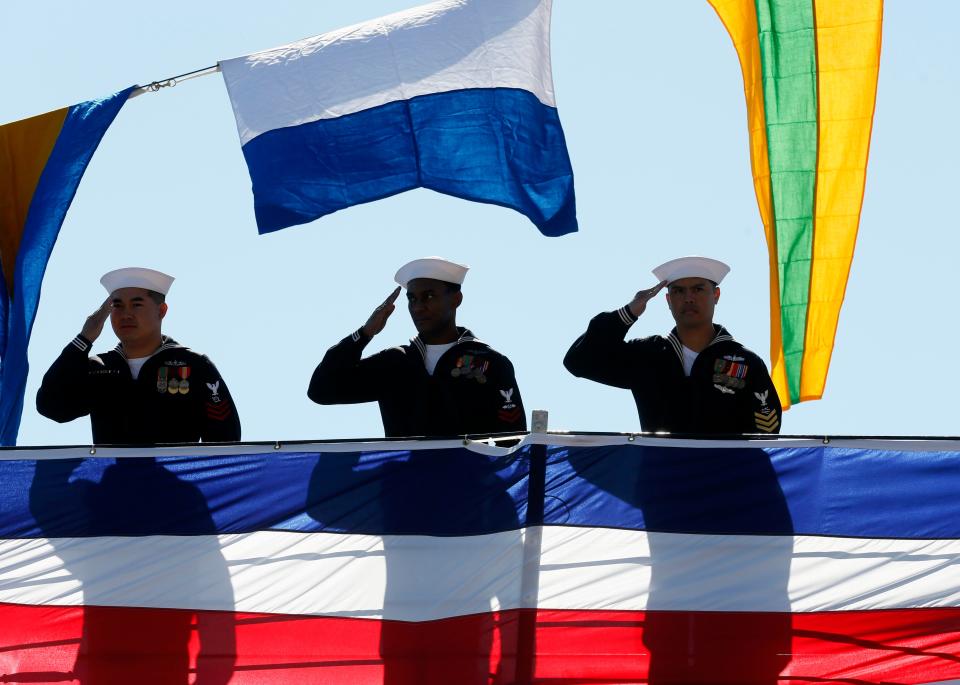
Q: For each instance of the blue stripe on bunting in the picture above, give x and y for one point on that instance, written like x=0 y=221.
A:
x=436 y=492
x=811 y=491
x=499 y=145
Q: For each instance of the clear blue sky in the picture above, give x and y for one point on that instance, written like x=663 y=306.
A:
x=650 y=96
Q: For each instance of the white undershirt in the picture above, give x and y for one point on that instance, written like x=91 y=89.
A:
x=689 y=357
x=434 y=352
x=136 y=365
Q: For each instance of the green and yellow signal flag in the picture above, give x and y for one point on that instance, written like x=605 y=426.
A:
x=810 y=72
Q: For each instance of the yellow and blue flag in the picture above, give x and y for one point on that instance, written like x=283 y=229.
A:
x=42 y=160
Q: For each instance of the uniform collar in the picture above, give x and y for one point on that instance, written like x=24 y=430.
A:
x=166 y=343
x=720 y=334
x=465 y=336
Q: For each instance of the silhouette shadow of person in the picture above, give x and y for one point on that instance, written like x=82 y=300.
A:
x=718 y=526
x=111 y=525
x=436 y=631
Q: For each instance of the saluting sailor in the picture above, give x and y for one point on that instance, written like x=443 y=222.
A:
x=445 y=382
x=697 y=379
x=149 y=389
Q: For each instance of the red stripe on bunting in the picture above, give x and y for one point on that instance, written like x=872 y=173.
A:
x=124 y=645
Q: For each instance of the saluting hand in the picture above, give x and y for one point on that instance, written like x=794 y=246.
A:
x=639 y=302
x=93 y=326
x=378 y=319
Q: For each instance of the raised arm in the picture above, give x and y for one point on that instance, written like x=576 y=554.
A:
x=342 y=377
x=601 y=354
x=63 y=394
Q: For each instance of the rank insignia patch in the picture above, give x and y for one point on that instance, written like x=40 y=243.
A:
x=728 y=373
x=766 y=419
x=219 y=411
x=766 y=422
x=218 y=408
x=509 y=412
x=510 y=415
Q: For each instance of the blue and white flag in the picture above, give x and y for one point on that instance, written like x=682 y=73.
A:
x=456 y=96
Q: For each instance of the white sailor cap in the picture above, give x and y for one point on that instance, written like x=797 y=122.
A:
x=691 y=267
x=136 y=277
x=437 y=268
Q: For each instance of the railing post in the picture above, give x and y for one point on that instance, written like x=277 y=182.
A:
x=530 y=578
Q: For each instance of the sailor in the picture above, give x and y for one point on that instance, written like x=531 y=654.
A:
x=445 y=382
x=697 y=379
x=149 y=389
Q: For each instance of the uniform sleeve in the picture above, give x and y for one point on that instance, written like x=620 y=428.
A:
x=510 y=415
x=766 y=412
x=342 y=377
x=221 y=422
x=601 y=354
x=63 y=394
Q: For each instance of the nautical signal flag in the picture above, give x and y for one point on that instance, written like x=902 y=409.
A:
x=456 y=96
x=810 y=71
x=41 y=162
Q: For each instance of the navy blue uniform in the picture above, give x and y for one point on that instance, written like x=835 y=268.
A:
x=728 y=390
x=178 y=396
x=472 y=390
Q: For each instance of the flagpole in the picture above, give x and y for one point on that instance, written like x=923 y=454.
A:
x=170 y=82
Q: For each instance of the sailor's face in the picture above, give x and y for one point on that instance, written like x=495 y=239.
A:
x=432 y=305
x=135 y=316
x=692 y=300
